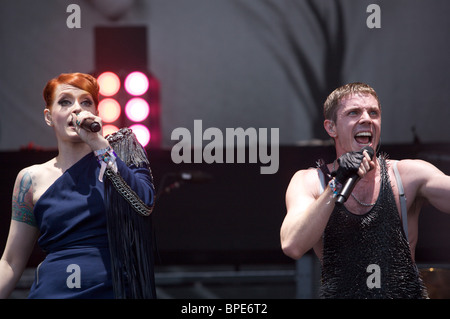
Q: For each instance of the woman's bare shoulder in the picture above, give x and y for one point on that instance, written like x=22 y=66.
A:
x=37 y=177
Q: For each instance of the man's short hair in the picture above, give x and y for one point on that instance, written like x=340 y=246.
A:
x=333 y=100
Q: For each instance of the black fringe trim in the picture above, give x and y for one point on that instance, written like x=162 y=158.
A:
x=130 y=235
x=131 y=247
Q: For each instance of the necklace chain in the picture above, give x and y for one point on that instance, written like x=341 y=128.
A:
x=361 y=203
x=354 y=197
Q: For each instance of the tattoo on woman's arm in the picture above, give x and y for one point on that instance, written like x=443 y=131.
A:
x=22 y=210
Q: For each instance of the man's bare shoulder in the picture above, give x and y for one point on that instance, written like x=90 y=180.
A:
x=305 y=181
x=415 y=173
x=415 y=168
x=307 y=174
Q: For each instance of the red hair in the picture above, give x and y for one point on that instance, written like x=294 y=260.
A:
x=81 y=81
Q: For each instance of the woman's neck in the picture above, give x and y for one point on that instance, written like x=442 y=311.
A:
x=70 y=153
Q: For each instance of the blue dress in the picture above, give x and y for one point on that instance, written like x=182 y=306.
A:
x=73 y=231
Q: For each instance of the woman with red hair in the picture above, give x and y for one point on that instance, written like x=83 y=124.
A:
x=89 y=207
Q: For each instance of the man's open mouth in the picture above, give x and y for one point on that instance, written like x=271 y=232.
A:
x=364 y=138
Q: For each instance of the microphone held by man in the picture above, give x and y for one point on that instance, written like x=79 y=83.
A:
x=347 y=173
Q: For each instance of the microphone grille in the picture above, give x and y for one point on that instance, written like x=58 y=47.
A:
x=369 y=150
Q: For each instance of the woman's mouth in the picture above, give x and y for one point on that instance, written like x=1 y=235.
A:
x=70 y=123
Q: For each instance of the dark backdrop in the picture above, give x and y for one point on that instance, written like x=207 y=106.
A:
x=235 y=217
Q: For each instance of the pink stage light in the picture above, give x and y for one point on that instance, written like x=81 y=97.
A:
x=109 y=83
x=109 y=110
x=109 y=129
x=136 y=83
x=137 y=109
x=142 y=134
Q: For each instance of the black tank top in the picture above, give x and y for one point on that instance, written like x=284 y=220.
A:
x=368 y=256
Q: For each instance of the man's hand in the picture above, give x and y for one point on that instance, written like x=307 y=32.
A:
x=349 y=165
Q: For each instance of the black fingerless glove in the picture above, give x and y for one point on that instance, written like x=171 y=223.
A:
x=348 y=165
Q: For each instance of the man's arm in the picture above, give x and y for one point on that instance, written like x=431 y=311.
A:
x=424 y=180
x=307 y=215
x=308 y=211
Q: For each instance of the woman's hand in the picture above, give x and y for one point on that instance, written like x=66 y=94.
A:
x=94 y=139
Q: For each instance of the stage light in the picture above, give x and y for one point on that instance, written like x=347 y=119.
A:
x=109 y=83
x=142 y=133
x=109 y=110
x=109 y=129
x=121 y=60
x=136 y=83
x=137 y=109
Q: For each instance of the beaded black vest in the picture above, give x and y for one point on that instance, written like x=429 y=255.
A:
x=368 y=256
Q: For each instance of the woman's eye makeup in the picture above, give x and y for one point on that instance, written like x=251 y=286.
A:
x=64 y=102
x=68 y=102
x=87 y=103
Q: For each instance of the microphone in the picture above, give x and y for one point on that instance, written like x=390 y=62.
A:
x=90 y=125
x=351 y=181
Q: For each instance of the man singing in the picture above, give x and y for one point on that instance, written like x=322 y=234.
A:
x=365 y=244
